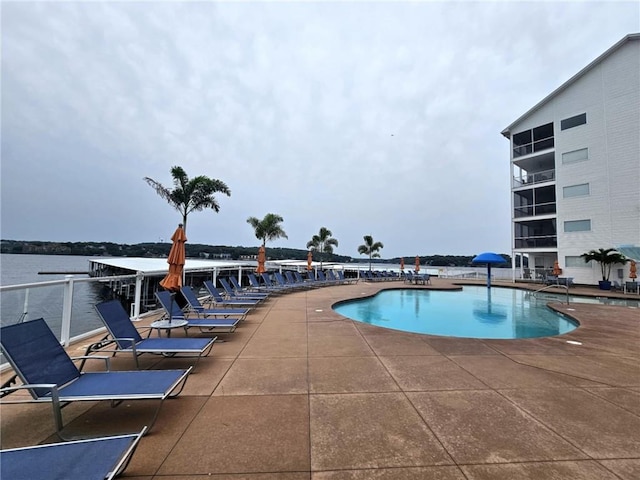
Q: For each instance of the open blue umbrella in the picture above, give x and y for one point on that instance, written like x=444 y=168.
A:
x=489 y=258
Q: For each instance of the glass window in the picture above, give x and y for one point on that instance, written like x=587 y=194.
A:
x=573 y=261
x=522 y=138
x=577 y=226
x=543 y=131
x=576 y=190
x=573 y=121
x=575 y=156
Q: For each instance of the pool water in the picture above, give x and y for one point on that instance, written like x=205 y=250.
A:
x=474 y=312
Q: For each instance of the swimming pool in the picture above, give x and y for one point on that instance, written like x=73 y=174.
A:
x=473 y=312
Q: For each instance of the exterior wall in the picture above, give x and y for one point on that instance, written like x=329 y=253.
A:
x=609 y=93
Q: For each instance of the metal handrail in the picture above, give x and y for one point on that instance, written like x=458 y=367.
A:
x=553 y=285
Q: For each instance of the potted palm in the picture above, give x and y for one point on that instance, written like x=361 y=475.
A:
x=606 y=258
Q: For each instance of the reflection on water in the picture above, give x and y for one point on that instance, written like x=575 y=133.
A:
x=488 y=311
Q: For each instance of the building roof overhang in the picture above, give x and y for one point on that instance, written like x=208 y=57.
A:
x=628 y=38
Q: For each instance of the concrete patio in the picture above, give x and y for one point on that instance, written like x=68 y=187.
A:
x=299 y=392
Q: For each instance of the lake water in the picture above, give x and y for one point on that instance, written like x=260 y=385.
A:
x=46 y=302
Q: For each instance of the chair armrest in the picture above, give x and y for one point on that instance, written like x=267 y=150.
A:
x=28 y=386
x=84 y=358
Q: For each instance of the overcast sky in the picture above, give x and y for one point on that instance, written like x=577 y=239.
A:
x=378 y=118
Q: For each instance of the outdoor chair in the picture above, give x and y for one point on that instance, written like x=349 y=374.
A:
x=632 y=287
x=124 y=336
x=344 y=279
x=101 y=458
x=292 y=280
x=217 y=298
x=234 y=294
x=50 y=376
x=200 y=310
x=249 y=291
x=206 y=324
x=266 y=287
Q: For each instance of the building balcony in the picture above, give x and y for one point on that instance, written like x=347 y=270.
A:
x=526 y=179
x=540 y=241
x=535 y=210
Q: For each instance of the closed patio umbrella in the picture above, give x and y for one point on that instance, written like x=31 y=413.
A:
x=417 y=263
x=489 y=258
x=402 y=264
x=262 y=257
x=632 y=270
x=173 y=280
x=309 y=260
x=556 y=269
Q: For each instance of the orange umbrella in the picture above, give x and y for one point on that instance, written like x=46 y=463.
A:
x=173 y=280
x=402 y=263
x=556 y=269
x=417 y=263
x=632 y=270
x=309 y=259
x=262 y=257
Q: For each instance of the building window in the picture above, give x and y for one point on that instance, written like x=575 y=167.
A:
x=577 y=226
x=573 y=262
x=534 y=140
x=576 y=190
x=573 y=121
x=575 y=156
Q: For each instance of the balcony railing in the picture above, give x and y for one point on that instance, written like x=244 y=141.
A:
x=548 y=208
x=540 y=241
x=533 y=147
x=533 y=178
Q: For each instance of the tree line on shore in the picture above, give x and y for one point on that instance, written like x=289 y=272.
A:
x=97 y=249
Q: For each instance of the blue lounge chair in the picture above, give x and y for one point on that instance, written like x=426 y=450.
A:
x=173 y=310
x=345 y=279
x=246 y=290
x=234 y=293
x=101 y=458
x=281 y=282
x=217 y=299
x=292 y=280
x=124 y=335
x=50 y=376
x=273 y=284
x=200 y=310
x=263 y=287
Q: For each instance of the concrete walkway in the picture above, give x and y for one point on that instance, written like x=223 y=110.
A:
x=299 y=392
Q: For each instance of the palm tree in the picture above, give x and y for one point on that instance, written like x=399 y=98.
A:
x=189 y=195
x=322 y=243
x=370 y=248
x=606 y=258
x=268 y=228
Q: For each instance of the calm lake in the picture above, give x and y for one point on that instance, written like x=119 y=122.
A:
x=46 y=302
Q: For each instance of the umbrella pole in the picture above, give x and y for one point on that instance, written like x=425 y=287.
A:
x=488 y=275
x=171 y=296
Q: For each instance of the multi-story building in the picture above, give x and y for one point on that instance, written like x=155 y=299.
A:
x=575 y=164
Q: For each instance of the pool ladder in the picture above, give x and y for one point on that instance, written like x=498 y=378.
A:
x=533 y=294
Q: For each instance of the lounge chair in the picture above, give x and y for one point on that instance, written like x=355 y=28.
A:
x=206 y=324
x=292 y=280
x=217 y=299
x=273 y=286
x=239 y=290
x=632 y=287
x=267 y=287
x=50 y=376
x=344 y=279
x=201 y=311
x=281 y=282
x=101 y=458
x=233 y=293
x=125 y=337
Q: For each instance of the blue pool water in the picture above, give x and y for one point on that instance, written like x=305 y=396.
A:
x=474 y=312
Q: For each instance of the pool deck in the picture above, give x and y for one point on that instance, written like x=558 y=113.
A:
x=299 y=392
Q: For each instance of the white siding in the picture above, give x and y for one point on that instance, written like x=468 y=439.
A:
x=609 y=93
